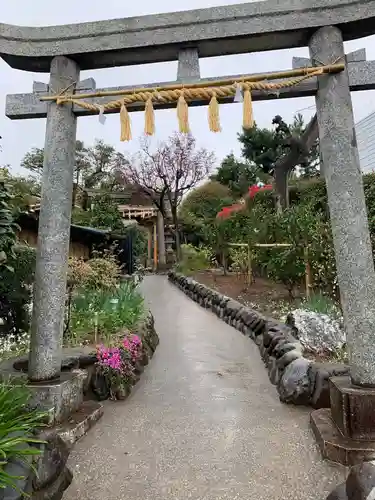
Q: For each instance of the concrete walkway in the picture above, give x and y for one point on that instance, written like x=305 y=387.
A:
x=204 y=423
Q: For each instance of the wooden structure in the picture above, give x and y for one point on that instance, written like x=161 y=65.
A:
x=133 y=205
x=83 y=240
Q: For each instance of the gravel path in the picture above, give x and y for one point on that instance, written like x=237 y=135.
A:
x=204 y=422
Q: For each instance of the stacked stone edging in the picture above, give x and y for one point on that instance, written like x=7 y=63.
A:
x=298 y=380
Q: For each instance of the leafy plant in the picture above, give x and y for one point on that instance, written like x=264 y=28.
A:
x=24 y=190
x=240 y=260
x=97 y=274
x=17 y=425
x=321 y=304
x=7 y=226
x=107 y=311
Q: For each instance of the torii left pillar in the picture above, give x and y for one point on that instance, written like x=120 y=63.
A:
x=54 y=228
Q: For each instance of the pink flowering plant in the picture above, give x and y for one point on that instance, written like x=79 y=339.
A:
x=117 y=364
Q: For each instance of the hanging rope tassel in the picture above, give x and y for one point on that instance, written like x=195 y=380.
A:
x=126 y=133
x=213 y=115
x=149 y=118
x=248 y=117
x=183 y=114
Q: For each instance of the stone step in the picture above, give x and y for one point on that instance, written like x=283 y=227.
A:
x=80 y=422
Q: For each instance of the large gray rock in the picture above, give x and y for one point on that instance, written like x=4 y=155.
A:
x=338 y=493
x=317 y=332
x=52 y=477
x=319 y=375
x=53 y=460
x=294 y=385
x=360 y=484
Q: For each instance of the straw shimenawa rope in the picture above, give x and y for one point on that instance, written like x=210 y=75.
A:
x=248 y=117
x=213 y=114
x=183 y=114
x=149 y=117
x=211 y=94
x=126 y=133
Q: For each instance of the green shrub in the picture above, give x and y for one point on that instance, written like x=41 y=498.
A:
x=17 y=425
x=304 y=229
x=199 y=209
x=105 y=273
x=15 y=291
x=192 y=260
x=285 y=266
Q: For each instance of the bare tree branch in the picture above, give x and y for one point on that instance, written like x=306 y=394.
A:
x=169 y=171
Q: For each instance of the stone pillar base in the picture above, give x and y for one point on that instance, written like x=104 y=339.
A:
x=59 y=398
x=346 y=432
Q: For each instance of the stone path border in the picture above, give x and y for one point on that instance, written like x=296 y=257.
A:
x=298 y=380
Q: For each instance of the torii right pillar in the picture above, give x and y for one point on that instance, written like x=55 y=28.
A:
x=346 y=431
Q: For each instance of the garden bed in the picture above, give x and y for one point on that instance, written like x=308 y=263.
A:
x=81 y=411
x=263 y=295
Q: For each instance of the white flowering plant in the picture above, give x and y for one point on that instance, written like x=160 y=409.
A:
x=14 y=345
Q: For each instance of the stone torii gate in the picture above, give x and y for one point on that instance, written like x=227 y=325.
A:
x=186 y=36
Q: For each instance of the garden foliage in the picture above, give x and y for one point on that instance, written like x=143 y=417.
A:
x=106 y=311
x=15 y=291
x=17 y=426
x=305 y=226
x=7 y=226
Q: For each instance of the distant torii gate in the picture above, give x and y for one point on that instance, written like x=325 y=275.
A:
x=269 y=25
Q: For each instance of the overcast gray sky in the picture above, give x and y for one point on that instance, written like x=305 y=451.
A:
x=20 y=136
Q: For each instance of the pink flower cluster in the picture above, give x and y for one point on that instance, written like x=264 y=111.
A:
x=133 y=345
x=117 y=358
x=109 y=356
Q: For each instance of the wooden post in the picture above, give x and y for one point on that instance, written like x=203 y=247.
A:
x=149 y=246
x=249 y=266
x=308 y=279
x=155 y=247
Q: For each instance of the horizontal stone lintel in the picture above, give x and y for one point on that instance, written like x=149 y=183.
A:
x=215 y=31
x=88 y=84
x=305 y=62
x=27 y=106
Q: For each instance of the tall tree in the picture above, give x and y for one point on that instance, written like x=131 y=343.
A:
x=300 y=147
x=235 y=174
x=24 y=190
x=94 y=165
x=168 y=172
x=263 y=147
x=282 y=150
